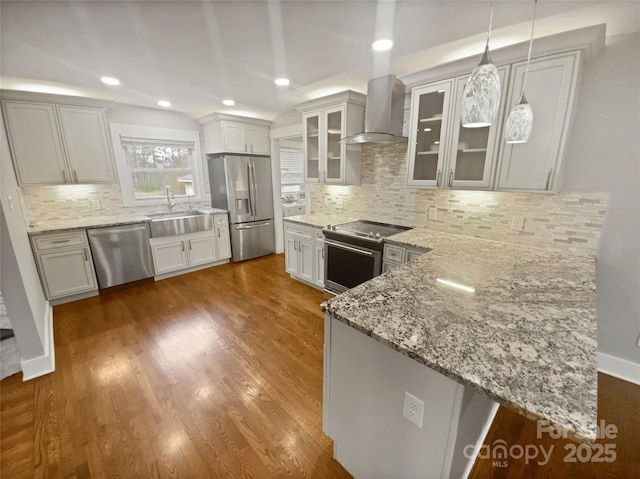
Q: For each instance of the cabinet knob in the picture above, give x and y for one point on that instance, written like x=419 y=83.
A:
x=546 y=186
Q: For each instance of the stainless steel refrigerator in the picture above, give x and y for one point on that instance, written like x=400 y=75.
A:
x=242 y=185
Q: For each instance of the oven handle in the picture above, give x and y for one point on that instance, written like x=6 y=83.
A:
x=348 y=248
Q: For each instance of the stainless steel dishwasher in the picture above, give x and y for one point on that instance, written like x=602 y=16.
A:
x=121 y=254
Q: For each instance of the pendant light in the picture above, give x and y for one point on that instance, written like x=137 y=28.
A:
x=481 y=96
x=520 y=121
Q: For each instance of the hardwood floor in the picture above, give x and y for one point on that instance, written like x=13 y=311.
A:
x=211 y=374
x=214 y=374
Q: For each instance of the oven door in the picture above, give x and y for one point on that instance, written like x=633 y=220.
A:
x=346 y=265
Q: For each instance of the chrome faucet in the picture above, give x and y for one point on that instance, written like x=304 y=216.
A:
x=170 y=197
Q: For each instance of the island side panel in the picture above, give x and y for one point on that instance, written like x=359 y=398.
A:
x=365 y=389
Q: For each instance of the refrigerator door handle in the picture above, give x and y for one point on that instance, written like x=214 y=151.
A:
x=254 y=183
x=250 y=227
x=250 y=183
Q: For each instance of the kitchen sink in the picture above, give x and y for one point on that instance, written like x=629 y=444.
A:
x=179 y=223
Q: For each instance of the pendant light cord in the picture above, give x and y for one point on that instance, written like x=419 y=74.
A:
x=491 y=23
x=533 y=23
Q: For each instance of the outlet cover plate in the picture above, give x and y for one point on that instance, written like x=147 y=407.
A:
x=413 y=409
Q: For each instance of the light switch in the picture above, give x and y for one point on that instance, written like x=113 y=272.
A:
x=433 y=213
x=517 y=223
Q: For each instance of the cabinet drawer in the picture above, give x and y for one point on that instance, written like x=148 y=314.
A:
x=298 y=231
x=63 y=240
x=220 y=220
x=319 y=236
x=414 y=253
x=393 y=253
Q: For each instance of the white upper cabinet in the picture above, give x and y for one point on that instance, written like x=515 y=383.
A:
x=87 y=144
x=443 y=154
x=473 y=152
x=551 y=90
x=325 y=122
x=58 y=144
x=430 y=113
x=35 y=142
x=235 y=134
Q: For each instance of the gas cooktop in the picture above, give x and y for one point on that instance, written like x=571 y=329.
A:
x=366 y=230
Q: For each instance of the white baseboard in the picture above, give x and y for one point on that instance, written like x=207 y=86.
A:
x=45 y=364
x=619 y=368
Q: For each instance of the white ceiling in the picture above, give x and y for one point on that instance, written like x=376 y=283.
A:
x=197 y=53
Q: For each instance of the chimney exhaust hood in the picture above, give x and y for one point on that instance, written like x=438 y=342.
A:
x=384 y=112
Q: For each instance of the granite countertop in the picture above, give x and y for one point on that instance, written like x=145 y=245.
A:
x=61 y=225
x=318 y=220
x=526 y=337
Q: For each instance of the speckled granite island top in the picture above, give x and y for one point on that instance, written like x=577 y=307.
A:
x=526 y=337
x=61 y=225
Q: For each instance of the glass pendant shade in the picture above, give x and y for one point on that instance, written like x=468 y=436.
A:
x=481 y=96
x=520 y=122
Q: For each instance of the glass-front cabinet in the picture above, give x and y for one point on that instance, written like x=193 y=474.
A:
x=327 y=158
x=430 y=110
x=442 y=153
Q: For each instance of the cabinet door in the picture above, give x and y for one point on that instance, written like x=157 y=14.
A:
x=170 y=256
x=224 y=242
x=318 y=267
x=235 y=137
x=202 y=250
x=68 y=272
x=334 y=151
x=291 y=255
x=87 y=144
x=35 y=142
x=473 y=152
x=430 y=112
x=311 y=145
x=305 y=265
x=258 y=140
x=551 y=85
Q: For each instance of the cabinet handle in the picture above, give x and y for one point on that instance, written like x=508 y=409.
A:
x=295 y=245
x=218 y=233
x=451 y=179
x=438 y=177
x=189 y=245
x=75 y=176
x=86 y=256
x=182 y=245
x=546 y=186
x=245 y=146
x=61 y=241
x=64 y=176
x=322 y=253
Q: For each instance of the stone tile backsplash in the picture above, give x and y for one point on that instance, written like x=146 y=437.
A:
x=566 y=222
x=54 y=203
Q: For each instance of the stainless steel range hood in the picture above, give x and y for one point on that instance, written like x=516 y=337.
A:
x=384 y=112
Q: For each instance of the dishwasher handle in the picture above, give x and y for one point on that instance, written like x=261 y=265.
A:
x=108 y=230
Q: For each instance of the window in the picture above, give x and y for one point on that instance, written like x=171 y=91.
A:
x=291 y=166
x=150 y=159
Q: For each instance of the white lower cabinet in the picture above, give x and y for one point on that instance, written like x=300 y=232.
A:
x=304 y=253
x=65 y=264
x=224 y=239
x=175 y=253
x=395 y=256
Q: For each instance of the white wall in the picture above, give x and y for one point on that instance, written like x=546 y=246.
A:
x=25 y=301
x=604 y=156
x=288 y=118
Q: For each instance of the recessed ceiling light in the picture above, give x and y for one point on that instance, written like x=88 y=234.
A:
x=228 y=102
x=110 y=81
x=282 y=81
x=164 y=103
x=382 y=45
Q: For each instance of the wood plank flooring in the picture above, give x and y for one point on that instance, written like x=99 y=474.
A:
x=216 y=374
x=211 y=374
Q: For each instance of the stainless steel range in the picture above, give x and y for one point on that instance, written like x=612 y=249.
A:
x=353 y=252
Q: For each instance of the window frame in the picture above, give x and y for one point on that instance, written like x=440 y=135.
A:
x=119 y=130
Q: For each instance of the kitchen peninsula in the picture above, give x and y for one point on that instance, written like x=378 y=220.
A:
x=489 y=320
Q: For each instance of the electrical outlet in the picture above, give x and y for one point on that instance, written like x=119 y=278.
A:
x=96 y=205
x=433 y=213
x=517 y=223
x=413 y=409
x=340 y=203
